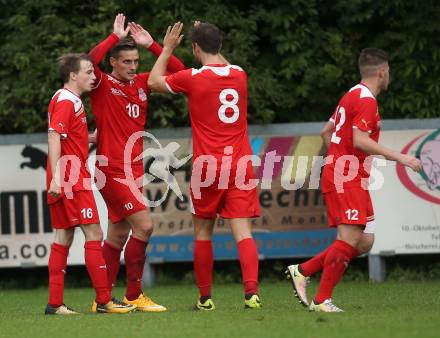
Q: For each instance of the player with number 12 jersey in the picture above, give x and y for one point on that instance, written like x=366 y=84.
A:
x=358 y=109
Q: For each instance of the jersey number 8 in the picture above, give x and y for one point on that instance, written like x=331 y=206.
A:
x=231 y=104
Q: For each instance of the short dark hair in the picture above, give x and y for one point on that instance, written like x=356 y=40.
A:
x=370 y=59
x=125 y=44
x=207 y=36
x=71 y=62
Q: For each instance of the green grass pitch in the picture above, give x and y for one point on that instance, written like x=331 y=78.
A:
x=391 y=309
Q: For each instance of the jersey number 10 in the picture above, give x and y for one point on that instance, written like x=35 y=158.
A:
x=133 y=110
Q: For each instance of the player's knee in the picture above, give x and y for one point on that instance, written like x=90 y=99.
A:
x=93 y=232
x=366 y=243
x=64 y=237
x=144 y=230
x=117 y=239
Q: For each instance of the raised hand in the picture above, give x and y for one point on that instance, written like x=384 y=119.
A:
x=140 y=35
x=196 y=23
x=118 y=26
x=173 y=37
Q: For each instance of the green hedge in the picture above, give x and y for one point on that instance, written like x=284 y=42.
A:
x=300 y=54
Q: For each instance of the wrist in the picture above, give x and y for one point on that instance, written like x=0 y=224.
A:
x=167 y=50
x=149 y=44
x=118 y=36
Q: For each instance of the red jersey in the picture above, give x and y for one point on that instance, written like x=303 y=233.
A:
x=120 y=109
x=217 y=102
x=357 y=109
x=66 y=116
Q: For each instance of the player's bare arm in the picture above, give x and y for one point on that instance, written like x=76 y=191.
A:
x=362 y=141
x=54 y=143
x=326 y=133
x=172 y=39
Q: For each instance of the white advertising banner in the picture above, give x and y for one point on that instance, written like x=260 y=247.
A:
x=407 y=207
x=25 y=231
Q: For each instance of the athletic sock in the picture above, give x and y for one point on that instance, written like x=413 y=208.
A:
x=248 y=254
x=335 y=263
x=135 y=255
x=97 y=270
x=314 y=264
x=57 y=270
x=112 y=256
x=203 y=267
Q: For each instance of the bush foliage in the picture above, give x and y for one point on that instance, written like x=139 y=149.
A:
x=300 y=55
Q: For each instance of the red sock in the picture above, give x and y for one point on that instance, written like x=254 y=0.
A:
x=112 y=256
x=97 y=270
x=134 y=255
x=336 y=261
x=248 y=254
x=57 y=270
x=314 y=264
x=203 y=266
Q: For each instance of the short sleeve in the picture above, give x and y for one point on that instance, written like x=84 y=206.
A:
x=179 y=82
x=366 y=115
x=60 y=118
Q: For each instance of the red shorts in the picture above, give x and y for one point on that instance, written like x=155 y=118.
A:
x=121 y=201
x=231 y=202
x=353 y=206
x=68 y=213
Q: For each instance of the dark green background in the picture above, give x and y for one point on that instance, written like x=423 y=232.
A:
x=300 y=55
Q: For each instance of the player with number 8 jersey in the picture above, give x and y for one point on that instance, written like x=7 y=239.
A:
x=217 y=102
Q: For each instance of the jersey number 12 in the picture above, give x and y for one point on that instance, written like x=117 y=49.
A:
x=340 y=111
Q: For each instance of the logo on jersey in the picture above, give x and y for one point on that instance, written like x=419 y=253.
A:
x=365 y=123
x=426 y=183
x=142 y=95
x=116 y=91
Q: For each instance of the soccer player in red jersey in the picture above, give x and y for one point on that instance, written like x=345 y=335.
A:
x=217 y=100
x=70 y=199
x=351 y=135
x=119 y=103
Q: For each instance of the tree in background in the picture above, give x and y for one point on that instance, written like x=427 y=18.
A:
x=300 y=55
